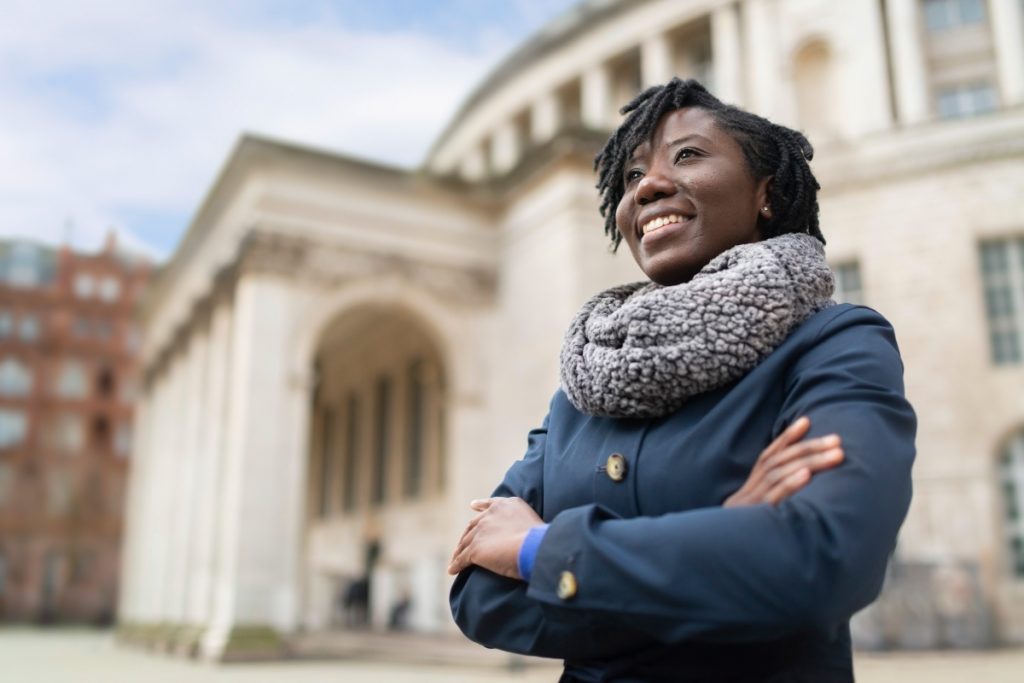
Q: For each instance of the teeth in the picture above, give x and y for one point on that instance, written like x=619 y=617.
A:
x=661 y=222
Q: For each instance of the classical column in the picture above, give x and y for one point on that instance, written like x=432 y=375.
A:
x=176 y=482
x=505 y=147
x=910 y=75
x=474 y=164
x=211 y=460
x=727 y=54
x=595 y=97
x=263 y=488
x=1008 y=32
x=655 y=60
x=764 y=81
x=129 y=607
x=545 y=118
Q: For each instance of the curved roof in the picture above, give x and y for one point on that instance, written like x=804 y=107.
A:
x=551 y=37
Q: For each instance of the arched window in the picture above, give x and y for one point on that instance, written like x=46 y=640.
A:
x=815 y=94
x=72 y=381
x=15 y=378
x=1011 y=471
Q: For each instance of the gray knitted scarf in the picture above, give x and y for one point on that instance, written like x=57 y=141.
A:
x=643 y=350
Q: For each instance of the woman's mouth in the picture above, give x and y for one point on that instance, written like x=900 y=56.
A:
x=654 y=225
x=661 y=222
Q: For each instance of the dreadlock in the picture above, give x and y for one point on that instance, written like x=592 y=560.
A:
x=770 y=150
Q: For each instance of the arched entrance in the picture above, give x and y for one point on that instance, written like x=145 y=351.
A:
x=376 y=532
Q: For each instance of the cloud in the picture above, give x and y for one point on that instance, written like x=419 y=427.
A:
x=114 y=112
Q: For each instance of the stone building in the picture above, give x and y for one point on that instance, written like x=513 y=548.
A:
x=68 y=381
x=340 y=355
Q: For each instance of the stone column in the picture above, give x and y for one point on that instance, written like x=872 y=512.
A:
x=545 y=118
x=727 y=54
x=174 y=485
x=129 y=608
x=764 y=80
x=595 y=97
x=655 y=61
x=263 y=489
x=910 y=74
x=505 y=147
x=190 y=407
x=1008 y=33
x=211 y=460
x=146 y=491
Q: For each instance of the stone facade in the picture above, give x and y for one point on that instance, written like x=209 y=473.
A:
x=340 y=355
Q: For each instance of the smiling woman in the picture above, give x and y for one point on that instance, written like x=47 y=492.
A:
x=720 y=480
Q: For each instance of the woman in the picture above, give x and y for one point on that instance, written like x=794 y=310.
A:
x=685 y=513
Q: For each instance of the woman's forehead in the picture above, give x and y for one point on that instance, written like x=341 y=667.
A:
x=688 y=124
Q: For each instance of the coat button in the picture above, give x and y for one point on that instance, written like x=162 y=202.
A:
x=567 y=586
x=616 y=467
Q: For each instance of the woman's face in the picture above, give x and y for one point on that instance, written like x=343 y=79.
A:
x=689 y=195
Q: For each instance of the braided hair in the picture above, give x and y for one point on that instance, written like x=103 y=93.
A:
x=770 y=150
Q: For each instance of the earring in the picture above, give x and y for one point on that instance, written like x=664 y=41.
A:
x=764 y=209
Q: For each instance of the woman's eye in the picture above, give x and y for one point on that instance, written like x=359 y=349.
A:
x=632 y=174
x=686 y=153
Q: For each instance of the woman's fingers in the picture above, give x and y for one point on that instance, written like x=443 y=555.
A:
x=790 y=435
x=788 y=486
x=790 y=478
x=804 y=449
x=481 y=504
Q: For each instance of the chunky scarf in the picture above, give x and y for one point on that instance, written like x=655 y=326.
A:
x=643 y=350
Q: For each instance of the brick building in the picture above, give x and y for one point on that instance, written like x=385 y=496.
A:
x=67 y=385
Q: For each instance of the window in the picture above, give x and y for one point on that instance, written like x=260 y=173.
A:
x=15 y=378
x=105 y=383
x=1011 y=474
x=13 y=427
x=382 y=434
x=25 y=267
x=85 y=286
x=110 y=289
x=6 y=483
x=29 y=328
x=416 y=437
x=942 y=15
x=965 y=100
x=6 y=324
x=58 y=492
x=101 y=432
x=848 y=284
x=1002 y=269
x=123 y=439
x=72 y=382
x=68 y=433
x=326 y=455
x=351 y=453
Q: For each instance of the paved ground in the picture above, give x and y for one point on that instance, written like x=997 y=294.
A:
x=92 y=657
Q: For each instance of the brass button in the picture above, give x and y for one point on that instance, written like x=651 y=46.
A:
x=616 y=467
x=567 y=586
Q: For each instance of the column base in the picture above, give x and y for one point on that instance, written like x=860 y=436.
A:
x=247 y=643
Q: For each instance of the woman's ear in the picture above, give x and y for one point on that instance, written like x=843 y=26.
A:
x=764 y=210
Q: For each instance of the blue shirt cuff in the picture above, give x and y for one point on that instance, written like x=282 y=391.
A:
x=528 y=550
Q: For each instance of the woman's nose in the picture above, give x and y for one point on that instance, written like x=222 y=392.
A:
x=653 y=186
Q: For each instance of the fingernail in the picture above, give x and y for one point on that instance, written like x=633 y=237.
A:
x=831 y=440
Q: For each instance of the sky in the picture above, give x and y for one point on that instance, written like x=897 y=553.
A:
x=118 y=115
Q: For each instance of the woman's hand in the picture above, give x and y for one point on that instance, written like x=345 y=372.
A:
x=787 y=465
x=492 y=539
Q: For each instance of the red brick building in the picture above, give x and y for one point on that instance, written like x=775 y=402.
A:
x=67 y=386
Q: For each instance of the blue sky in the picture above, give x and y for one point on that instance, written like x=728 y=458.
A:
x=119 y=115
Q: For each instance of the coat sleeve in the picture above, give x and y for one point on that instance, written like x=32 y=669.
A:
x=760 y=572
x=496 y=612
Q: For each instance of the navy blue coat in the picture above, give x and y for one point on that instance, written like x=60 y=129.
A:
x=671 y=586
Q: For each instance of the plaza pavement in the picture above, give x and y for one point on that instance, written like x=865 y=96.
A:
x=82 y=656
